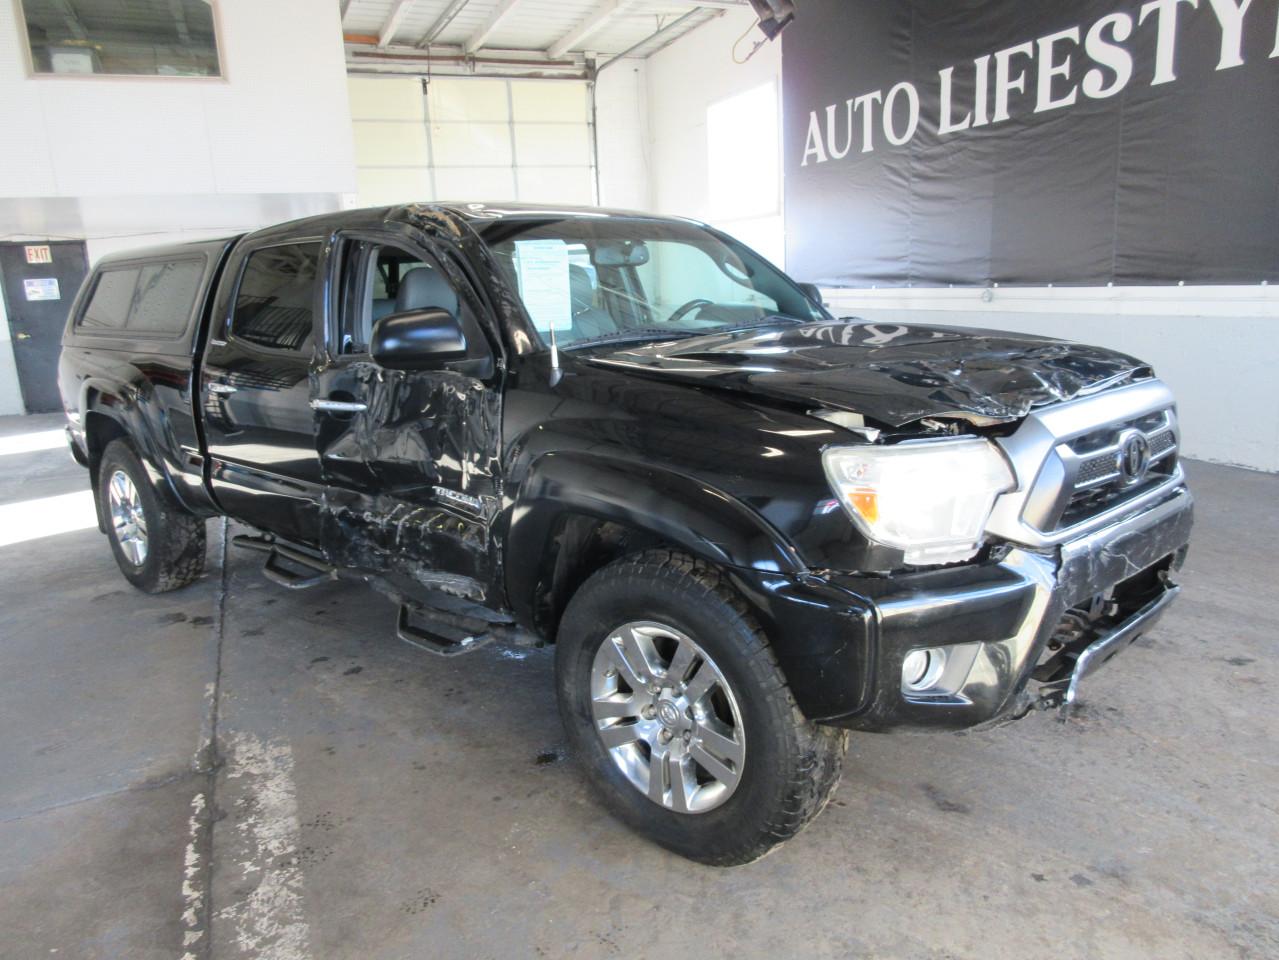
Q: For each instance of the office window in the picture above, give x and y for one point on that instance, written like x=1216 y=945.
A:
x=163 y=38
x=276 y=298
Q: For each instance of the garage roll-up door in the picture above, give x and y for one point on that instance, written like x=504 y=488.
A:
x=472 y=139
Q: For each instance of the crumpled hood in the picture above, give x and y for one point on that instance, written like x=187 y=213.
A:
x=890 y=373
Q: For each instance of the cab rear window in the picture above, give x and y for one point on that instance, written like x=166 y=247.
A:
x=144 y=300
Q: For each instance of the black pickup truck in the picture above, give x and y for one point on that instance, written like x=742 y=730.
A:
x=748 y=527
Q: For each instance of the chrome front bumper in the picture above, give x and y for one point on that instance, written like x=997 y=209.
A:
x=1098 y=653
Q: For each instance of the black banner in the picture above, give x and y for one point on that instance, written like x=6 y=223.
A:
x=1055 y=141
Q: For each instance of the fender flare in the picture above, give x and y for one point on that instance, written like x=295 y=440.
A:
x=102 y=399
x=681 y=510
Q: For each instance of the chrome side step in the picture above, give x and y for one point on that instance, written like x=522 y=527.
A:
x=313 y=570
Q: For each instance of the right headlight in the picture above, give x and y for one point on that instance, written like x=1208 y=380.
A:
x=930 y=499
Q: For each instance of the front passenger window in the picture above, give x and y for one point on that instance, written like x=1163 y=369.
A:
x=382 y=280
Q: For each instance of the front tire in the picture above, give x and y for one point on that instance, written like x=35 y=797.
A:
x=672 y=699
x=158 y=544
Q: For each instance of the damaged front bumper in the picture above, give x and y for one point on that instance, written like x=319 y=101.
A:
x=1021 y=632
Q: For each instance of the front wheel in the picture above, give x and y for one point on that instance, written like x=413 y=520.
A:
x=158 y=545
x=672 y=698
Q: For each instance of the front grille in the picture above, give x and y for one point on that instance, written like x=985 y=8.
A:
x=1098 y=481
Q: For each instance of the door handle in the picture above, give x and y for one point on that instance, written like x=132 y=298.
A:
x=339 y=406
x=222 y=388
x=23 y=336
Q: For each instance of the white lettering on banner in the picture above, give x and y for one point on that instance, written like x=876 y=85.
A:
x=947 y=125
x=1048 y=70
x=1230 y=17
x=1166 y=38
x=1005 y=82
x=982 y=67
x=912 y=123
x=865 y=102
x=830 y=130
x=813 y=144
x=1058 y=83
x=1108 y=54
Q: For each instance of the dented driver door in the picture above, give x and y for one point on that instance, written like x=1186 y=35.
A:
x=408 y=457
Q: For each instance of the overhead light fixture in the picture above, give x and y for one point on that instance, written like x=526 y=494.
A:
x=773 y=15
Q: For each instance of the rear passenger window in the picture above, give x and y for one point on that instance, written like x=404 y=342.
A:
x=108 y=308
x=276 y=298
x=166 y=296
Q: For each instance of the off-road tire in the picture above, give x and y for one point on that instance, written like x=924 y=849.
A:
x=791 y=767
x=176 y=544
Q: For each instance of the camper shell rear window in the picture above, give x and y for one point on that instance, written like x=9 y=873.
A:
x=154 y=298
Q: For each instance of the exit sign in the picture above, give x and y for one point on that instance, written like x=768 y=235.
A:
x=40 y=254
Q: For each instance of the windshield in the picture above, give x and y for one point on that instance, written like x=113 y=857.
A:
x=619 y=279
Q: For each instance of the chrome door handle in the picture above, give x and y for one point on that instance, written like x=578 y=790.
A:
x=338 y=406
x=221 y=388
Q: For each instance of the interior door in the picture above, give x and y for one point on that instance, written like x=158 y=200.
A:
x=255 y=388
x=408 y=457
x=40 y=282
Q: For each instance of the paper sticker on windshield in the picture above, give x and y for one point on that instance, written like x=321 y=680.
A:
x=542 y=268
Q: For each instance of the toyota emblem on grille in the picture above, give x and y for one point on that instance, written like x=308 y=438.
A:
x=1134 y=457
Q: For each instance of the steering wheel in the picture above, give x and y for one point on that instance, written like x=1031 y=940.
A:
x=692 y=305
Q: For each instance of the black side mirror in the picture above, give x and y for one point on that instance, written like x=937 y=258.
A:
x=417 y=339
x=812 y=291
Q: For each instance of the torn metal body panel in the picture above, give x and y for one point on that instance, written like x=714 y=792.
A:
x=410 y=484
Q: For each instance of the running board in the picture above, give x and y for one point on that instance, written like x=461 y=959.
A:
x=314 y=570
x=449 y=636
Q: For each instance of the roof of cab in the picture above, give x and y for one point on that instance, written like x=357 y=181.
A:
x=470 y=213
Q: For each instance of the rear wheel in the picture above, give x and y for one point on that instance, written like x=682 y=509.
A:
x=158 y=545
x=673 y=700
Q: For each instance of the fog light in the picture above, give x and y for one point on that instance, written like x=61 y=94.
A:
x=922 y=669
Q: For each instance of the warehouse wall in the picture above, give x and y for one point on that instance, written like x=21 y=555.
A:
x=1216 y=346
x=123 y=162
x=684 y=81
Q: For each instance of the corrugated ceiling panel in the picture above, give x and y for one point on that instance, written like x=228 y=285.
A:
x=531 y=25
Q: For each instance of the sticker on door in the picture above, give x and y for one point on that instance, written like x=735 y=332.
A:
x=42 y=288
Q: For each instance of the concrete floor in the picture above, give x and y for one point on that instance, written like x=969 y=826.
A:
x=374 y=802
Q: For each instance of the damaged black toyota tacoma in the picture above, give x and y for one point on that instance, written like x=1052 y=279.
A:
x=748 y=527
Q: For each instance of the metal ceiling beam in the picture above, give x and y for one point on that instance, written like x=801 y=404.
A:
x=709 y=4
x=393 y=21
x=442 y=22
x=476 y=40
x=667 y=34
x=588 y=27
x=68 y=14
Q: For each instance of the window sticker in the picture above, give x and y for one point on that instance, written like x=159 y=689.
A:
x=542 y=269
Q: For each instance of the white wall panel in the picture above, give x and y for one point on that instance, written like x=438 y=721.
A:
x=391 y=143
x=553 y=144
x=550 y=101
x=468 y=101
x=471 y=144
x=570 y=185
x=481 y=139
x=475 y=183
x=278 y=122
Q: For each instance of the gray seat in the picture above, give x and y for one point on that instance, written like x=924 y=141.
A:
x=424 y=287
x=588 y=319
x=382 y=306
